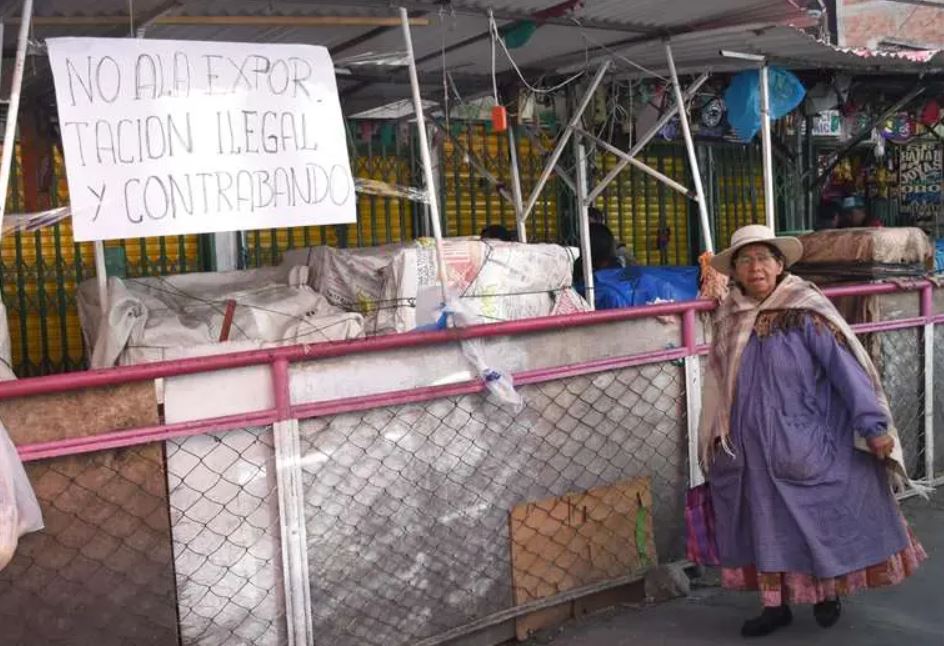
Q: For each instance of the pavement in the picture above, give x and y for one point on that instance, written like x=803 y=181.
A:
x=911 y=614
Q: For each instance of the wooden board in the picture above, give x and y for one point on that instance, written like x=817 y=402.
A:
x=578 y=539
x=47 y=418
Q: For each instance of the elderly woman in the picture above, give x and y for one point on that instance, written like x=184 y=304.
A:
x=798 y=444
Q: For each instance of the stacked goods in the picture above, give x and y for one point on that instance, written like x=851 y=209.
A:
x=857 y=255
x=495 y=281
x=157 y=318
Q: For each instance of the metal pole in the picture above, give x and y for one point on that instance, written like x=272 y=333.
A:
x=433 y=203
x=583 y=215
x=564 y=138
x=692 y=395
x=690 y=147
x=101 y=276
x=767 y=147
x=810 y=162
x=9 y=135
x=927 y=311
x=516 y=184
x=561 y=173
x=645 y=139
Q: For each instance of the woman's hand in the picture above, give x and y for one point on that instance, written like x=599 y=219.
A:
x=882 y=445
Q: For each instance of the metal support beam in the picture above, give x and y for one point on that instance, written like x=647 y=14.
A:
x=9 y=135
x=562 y=174
x=101 y=277
x=563 y=139
x=433 y=203
x=583 y=221
x=690 y=147
x=766 y=147
x=291 y=501
x=927 y=311
x=692 y=396
x=645 y=139
x=516 y=184
x=632 y=161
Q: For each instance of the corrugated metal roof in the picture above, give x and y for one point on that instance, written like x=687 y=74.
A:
x=656 y=15
x=699 y=29
x=782 y=45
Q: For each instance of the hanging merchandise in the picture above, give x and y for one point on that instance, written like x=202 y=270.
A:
x=518 y=34
x=388 y=135
x=930 y=113
x=878 y=141
x=499 y=119
x=898 y=128
x=712 y=112
x=526 y=107
x=670 y=130
x=742 y=99
x=366 y=131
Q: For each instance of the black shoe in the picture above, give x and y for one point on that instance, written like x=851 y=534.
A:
x=827 y=612
x=769 y=620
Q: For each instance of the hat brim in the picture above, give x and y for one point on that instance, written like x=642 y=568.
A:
x=791 y=248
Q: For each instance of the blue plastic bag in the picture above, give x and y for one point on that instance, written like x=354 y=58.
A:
x=742 y=99
x=632 y=286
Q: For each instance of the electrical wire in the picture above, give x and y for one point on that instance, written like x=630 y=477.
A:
x=496 y=36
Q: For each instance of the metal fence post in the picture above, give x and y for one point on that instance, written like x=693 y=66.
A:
x=692 y=396
x=927 y=311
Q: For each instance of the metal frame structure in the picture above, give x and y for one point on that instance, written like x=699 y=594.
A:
x=425 y=156
x=765 y=138
x=13 y=108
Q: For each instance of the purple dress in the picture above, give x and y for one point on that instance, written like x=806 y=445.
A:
x=797 y=496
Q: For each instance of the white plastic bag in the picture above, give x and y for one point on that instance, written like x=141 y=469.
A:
x=19 y=509
x=499 y=383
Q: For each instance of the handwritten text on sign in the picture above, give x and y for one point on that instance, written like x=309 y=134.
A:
x=173 y=137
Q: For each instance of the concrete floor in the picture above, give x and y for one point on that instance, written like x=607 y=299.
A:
x=909 y=615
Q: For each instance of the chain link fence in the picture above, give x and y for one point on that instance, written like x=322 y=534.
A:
x=101 y=572
x=900 y=361
x=407 y=508
x=939 y=401
x=417 y=519
x=226 y=540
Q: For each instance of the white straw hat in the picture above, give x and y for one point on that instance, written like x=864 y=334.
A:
x=791 y=248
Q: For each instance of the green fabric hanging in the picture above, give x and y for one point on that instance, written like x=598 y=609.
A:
x=388 y=135
x=518 y=34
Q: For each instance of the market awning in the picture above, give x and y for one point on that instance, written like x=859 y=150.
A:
x=453 y=36
x=782 y=45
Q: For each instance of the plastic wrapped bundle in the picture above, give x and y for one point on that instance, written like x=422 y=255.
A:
x=151 y=319
x=856 y=255
x=496 y=281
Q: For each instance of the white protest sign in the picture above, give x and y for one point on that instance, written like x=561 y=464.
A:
x=170 y=137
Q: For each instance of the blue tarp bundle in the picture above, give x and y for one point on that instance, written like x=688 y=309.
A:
x=632 y=286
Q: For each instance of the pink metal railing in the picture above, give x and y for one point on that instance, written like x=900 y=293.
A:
x=279 y=360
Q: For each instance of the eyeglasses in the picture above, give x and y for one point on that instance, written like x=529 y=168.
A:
x=761 y=258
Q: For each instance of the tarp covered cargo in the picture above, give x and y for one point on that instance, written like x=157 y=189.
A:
x=154 y=318
x=854 y=255
x=497 y=281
